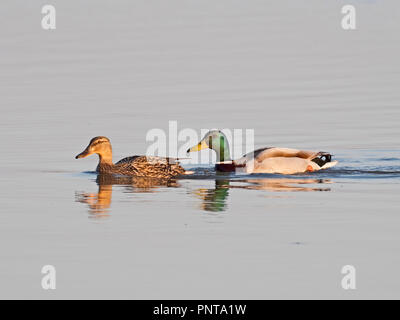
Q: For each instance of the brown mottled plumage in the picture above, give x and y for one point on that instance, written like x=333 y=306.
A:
x=141 y=166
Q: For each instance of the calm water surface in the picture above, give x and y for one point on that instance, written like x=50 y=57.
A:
x=285 y=69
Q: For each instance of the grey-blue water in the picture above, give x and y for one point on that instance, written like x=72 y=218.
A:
x=283 y=68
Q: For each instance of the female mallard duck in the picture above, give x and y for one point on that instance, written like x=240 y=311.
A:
x=143 y=166
x=264 y=160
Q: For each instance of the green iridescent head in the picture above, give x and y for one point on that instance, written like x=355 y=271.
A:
x=217 y=141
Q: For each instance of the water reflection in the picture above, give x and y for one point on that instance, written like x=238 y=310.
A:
x=99 y=203
x=215 y=200
x=212 y=200
x=283 y=184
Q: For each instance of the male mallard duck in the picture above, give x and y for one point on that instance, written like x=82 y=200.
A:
x=264 y=160
x=143 y=166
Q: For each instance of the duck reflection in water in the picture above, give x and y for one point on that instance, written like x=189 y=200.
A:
x=284 y=184
x=99 y=203
x=215 y=200
x=212 y=200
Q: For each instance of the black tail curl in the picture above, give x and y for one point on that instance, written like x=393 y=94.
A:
x=322 y=158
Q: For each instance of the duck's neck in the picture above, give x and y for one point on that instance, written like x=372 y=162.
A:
x=105 y=161
x=222 y=150
x=105 y=158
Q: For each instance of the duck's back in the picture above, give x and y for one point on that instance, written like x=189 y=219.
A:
x=149 y=166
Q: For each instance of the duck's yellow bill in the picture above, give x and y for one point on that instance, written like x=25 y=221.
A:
x=200 y=146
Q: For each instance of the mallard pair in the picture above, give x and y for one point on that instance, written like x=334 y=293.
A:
x=264 y=160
